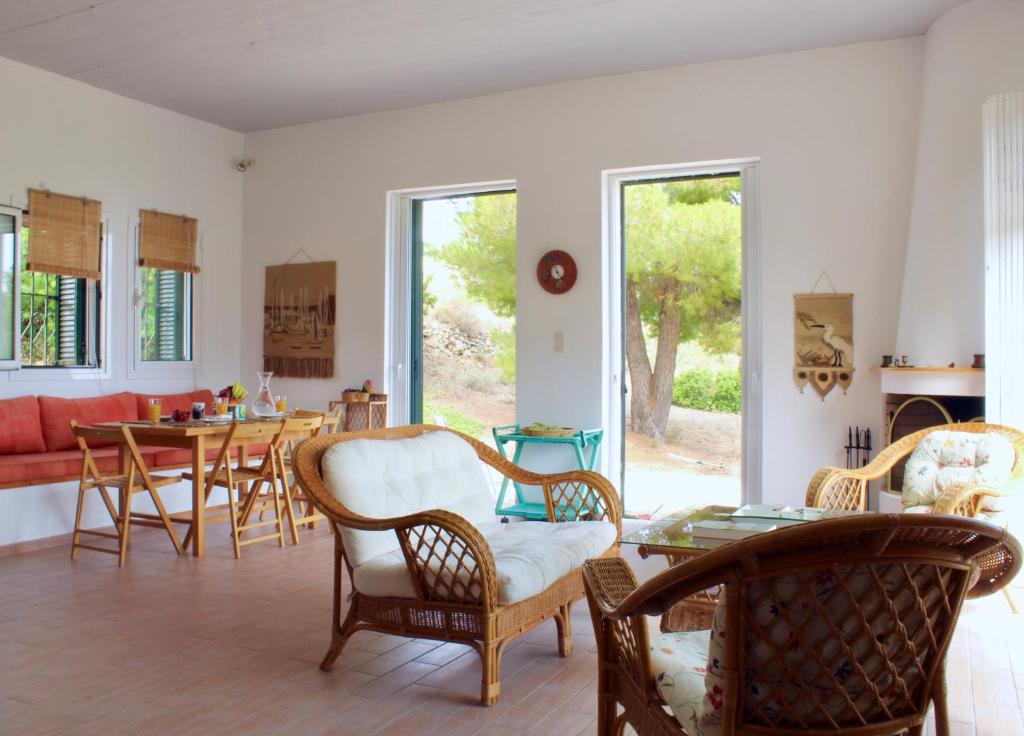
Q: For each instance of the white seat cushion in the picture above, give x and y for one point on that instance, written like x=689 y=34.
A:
x=529 y=556
x=381 y=479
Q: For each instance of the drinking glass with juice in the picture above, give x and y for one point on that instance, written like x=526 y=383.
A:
x=281 y=403
x=155 y=408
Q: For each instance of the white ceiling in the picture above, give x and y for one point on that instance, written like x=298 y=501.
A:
x=255 y=64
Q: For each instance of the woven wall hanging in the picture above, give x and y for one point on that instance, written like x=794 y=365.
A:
x=823 y=341
x=298 y=320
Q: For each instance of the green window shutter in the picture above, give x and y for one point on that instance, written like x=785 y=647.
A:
x=168 y=299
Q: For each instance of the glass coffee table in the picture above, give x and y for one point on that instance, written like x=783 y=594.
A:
x=672 y=537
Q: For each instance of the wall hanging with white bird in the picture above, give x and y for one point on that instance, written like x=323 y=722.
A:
x=823 y=341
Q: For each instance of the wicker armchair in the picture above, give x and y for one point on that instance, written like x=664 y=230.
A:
x=455 y=591
x=839 y=488
x=839 y=626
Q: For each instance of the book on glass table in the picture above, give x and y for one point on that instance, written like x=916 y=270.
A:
x=729 y=531
x=778 y=512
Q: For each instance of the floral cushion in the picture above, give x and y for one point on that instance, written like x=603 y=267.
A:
x=679 y=661
x=947 y=459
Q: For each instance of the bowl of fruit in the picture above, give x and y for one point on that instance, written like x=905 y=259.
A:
x=539 y=429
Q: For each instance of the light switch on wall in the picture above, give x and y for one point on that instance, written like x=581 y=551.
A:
x=559 y=342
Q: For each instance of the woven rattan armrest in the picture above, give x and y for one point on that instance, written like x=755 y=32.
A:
x=622 y=597
x=581 y=495
x=448 y=558
x=609 y=580
x=840 y=488
x=965 y=500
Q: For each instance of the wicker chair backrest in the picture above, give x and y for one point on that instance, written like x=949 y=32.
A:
x=838 y=624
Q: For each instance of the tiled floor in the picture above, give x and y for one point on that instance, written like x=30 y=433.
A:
x=174 y=645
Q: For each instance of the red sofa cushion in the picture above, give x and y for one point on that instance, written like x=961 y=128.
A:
x=20 y=429
x=173 y=402
x=56 y=414
x=39 y=467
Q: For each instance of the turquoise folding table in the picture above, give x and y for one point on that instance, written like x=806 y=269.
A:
x=578 y=441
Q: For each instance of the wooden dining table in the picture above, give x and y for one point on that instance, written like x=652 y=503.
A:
x=195 y=436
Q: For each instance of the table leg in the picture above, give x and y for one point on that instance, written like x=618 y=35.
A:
x=520 y=497
x=594 y=450
x=504 y=479
x=198 y=496
x=577 y=447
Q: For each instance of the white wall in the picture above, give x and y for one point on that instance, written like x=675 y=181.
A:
x=72 y=138
x=972 y=52
x=835 y=129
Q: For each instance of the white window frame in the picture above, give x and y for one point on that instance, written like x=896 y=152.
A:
x=611 y=313
x=15 y=363
x=398 y=285
x=149 y=369
x=97 y=340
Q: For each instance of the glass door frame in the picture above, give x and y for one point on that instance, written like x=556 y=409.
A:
x=613 y=314
x=404 y=292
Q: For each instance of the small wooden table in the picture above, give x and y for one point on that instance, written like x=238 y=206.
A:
x=195 y=436
x=578 y=440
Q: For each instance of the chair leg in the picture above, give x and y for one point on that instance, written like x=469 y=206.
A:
x=277 y=505
x=339 y=637
x=1009 y=599
x=289 y=511
x=563 y=624
x=78 y=522
x=490 y=676
x=166 y=520
x=939 y=704
x=233 y=509
x=126 y=525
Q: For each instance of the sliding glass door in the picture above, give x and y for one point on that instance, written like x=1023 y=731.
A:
x=463 y=304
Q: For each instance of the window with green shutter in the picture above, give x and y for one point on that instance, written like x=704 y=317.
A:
x=56 y=318
x=166 y=315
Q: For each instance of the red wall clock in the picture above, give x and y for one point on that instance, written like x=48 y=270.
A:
x=556 y=271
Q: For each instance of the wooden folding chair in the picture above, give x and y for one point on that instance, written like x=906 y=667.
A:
x=303 y=424
x=136 y=480
x=235 y=478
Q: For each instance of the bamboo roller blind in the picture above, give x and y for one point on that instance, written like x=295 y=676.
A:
x=167 y=241
x=64 y=235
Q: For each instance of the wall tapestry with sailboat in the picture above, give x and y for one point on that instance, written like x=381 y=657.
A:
x=298 y=320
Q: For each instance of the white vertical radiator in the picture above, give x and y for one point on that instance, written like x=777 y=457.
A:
x=1004 y=259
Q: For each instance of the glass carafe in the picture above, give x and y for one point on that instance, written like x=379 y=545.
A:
x=263 y=402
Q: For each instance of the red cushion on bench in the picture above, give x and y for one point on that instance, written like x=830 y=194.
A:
x=20 y=430
x=56 y=414
x=173 y=402
x=39 y=467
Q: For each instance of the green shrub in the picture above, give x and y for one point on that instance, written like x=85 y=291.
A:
x=701 y=388
x=505 y=355
x=728 y=395
x=693 y=389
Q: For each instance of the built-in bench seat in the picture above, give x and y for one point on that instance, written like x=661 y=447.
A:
x=37 y=446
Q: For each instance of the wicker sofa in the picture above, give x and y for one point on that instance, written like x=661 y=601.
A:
x=415 y=530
